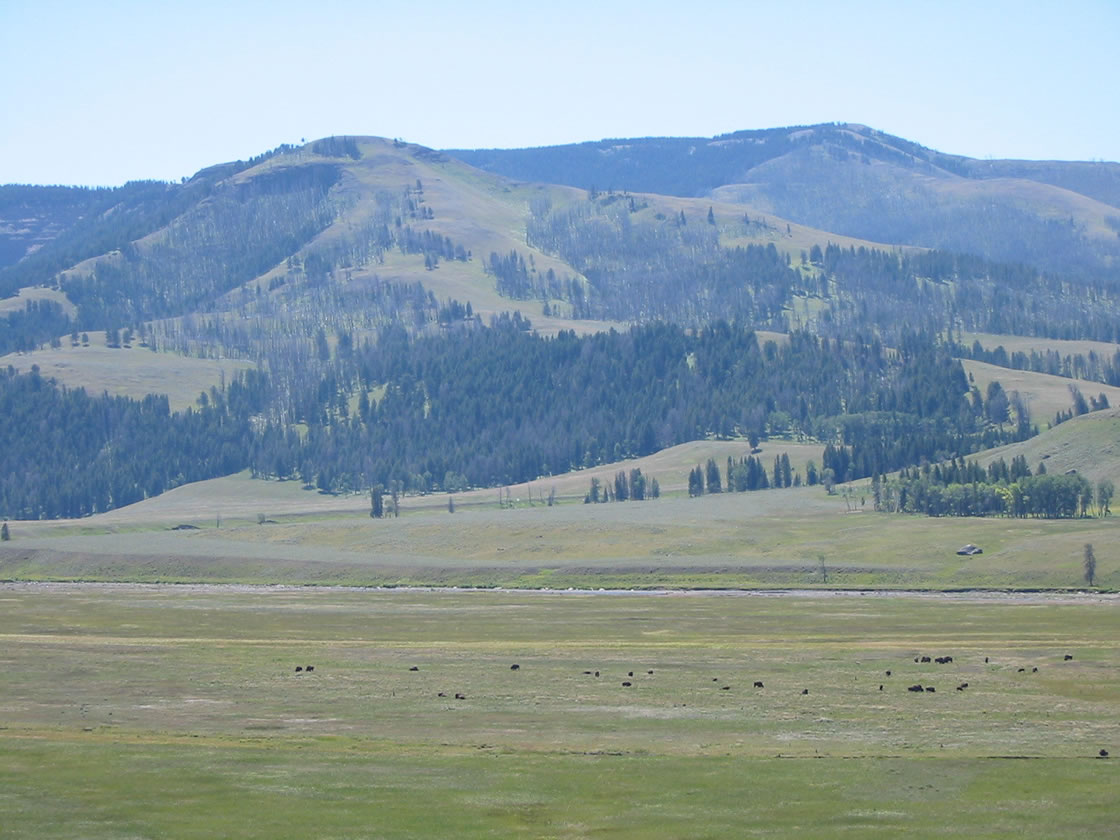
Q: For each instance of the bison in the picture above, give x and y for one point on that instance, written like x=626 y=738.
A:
x=515 y=667
x=758 y=684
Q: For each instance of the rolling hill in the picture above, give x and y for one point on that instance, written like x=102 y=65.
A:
x=855 y=180
x=307 y=279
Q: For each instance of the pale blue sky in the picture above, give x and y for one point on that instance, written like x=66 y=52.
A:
x=104 y=92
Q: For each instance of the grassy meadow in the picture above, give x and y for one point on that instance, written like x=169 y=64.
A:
x=135 y=711
x=789 y=538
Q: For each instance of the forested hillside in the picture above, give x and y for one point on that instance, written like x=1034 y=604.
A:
x=420 y=324
x=491 y=406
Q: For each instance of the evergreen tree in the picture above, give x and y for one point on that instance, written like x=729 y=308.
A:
x=712 y=477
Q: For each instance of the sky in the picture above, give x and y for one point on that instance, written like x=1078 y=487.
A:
x=99 y=93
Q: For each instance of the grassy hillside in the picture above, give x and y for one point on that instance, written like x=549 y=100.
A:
x=858 y=181
x=1089 y=444
x=128 y=372
x=1044 y=394
x=1026 y=344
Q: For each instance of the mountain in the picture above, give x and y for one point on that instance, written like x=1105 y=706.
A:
x=387 y=314
x=857 y=181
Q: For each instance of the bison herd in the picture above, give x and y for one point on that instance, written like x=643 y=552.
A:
x=916 y=688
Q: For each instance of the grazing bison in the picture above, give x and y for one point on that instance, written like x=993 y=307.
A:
x=725 y=688
x=758 y=684
x=1067 y=657
x=515 y=667
x=1022 y=670
x=626 y=684
x=414 y=668
x=596 y=673
x=880 y=686
x=299 y=668
x=888 y=673
x=441 y=694
x=930 y=689
x=309 y=668
x=629 y=673
x=985 y=660
x=915 y=688
x=459 y=696
x=1103 y=753
x=925 y=659
x=587 y=672
x=650 y=671
x=804 y=691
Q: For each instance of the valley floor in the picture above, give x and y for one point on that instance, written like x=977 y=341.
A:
x=177 y=711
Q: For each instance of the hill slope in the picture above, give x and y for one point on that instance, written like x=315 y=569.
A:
x=857 y=181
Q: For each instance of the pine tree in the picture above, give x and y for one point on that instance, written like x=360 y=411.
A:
x=1090 y=564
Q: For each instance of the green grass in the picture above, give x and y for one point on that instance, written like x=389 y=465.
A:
x=175 y=712
x=749 y=540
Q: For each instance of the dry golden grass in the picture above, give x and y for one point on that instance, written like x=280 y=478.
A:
x=1025 y=344
x=134 y=372
x=19 y=300
x=1045 y=395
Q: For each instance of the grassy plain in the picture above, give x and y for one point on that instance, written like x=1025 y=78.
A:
x=775 y=538
x=134 y=711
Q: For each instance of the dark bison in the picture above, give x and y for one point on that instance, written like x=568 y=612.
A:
x=925 y=659
x=626 y=684
x=459 y=696
x=299 y=668
x=725 y=688
x=888 y=673
x=414 y=668
x=1067 y=657
x=930 y=688
x=515 y=667
x=804 y=691
x=649 y=671
x=758 y=684
x=915 y=688
x=1103 y=753
x=309 y=668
